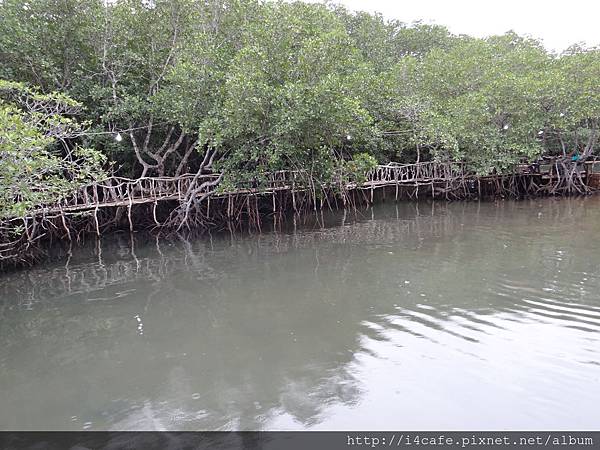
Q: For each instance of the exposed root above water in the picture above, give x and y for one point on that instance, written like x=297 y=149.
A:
x=196 y=202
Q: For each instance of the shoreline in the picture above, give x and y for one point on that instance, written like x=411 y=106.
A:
x=255 y=209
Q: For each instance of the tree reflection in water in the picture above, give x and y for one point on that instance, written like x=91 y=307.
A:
x=236 y=332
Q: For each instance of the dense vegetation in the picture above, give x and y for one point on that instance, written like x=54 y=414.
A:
x=151 y=86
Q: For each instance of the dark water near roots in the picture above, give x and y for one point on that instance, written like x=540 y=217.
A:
x=428 y=316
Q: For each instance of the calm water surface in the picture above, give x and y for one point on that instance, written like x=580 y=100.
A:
x=428 y=316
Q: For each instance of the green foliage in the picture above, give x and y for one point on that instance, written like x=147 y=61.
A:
x=37 y=163
x=290 y=85
x=359 y=166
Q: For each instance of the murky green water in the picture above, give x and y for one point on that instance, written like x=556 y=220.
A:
x=428 y=316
